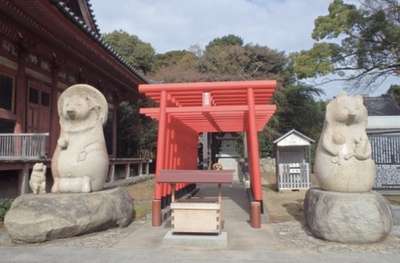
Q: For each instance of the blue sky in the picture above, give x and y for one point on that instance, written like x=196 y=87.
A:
x=177 y=24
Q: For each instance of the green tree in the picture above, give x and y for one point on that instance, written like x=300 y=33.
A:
x=394 y=91
x=356 y=42
x=174 y=57
x=136 y=132
x=136 y=52
x=297 y=109
x=176 y=66
x=227 y=58
x=228 y=40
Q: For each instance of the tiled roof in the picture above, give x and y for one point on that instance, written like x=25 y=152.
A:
x=383 y=105
x=94 y=33
x=89 y=4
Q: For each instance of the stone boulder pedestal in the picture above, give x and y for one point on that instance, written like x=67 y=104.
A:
x=37 y=218
x=347 y=217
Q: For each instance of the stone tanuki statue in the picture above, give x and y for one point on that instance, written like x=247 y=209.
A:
x=37 y=181
x=345 y=209
x=79 y=167
x=80 y=160
x=343 y=158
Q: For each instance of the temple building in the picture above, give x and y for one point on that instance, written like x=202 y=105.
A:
x=46 y=46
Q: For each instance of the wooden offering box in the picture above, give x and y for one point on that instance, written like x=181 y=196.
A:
x=197 y=215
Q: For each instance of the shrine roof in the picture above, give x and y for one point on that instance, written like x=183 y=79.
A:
x=293 y=137
x=91 y=28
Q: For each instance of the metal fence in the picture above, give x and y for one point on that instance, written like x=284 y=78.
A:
x=23 y=146
x=294 y=176
x=386 y=154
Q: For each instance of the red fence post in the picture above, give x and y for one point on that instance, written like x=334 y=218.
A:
x=156 y=208
x=255 y=164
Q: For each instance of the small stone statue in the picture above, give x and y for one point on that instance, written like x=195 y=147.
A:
x=343 y=158
x=217 y=167
x=37 y=182
x=80 y=161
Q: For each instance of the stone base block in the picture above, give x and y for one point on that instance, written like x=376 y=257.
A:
x=347 y=217
x=219 y=241
x=231 y=163
x=37 y=218
x=396 y=215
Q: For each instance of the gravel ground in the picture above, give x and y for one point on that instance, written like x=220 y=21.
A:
x=294 y=235
x=289 y=235
x=103 y=239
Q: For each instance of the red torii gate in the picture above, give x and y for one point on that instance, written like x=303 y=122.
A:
x=187 y=109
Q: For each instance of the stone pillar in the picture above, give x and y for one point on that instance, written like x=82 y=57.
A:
x=23 y=180
x=140 y=168
x=245 y=151
x=112 y=173
x=206 y=157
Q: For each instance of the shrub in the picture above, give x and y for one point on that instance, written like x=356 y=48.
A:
x=5 y=204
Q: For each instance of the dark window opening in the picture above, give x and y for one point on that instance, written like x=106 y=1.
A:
x=6 y=126
x=33 y=96
x=108 y=132
x=6 y=92
x=45 y=99
x=8 y=184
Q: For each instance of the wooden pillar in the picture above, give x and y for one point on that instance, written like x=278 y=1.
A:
x=156 y=207
x=254 y=166
x=54 y=119
x=253 y=141
x=114 y=129
x=249 y=159
x=255 y=216
x=166 y=155
x=21 y=94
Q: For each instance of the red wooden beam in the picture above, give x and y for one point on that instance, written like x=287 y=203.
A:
x=209 y=86
x=196 y=176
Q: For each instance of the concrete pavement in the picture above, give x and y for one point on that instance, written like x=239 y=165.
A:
x=144 y=255
x=283 y=242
